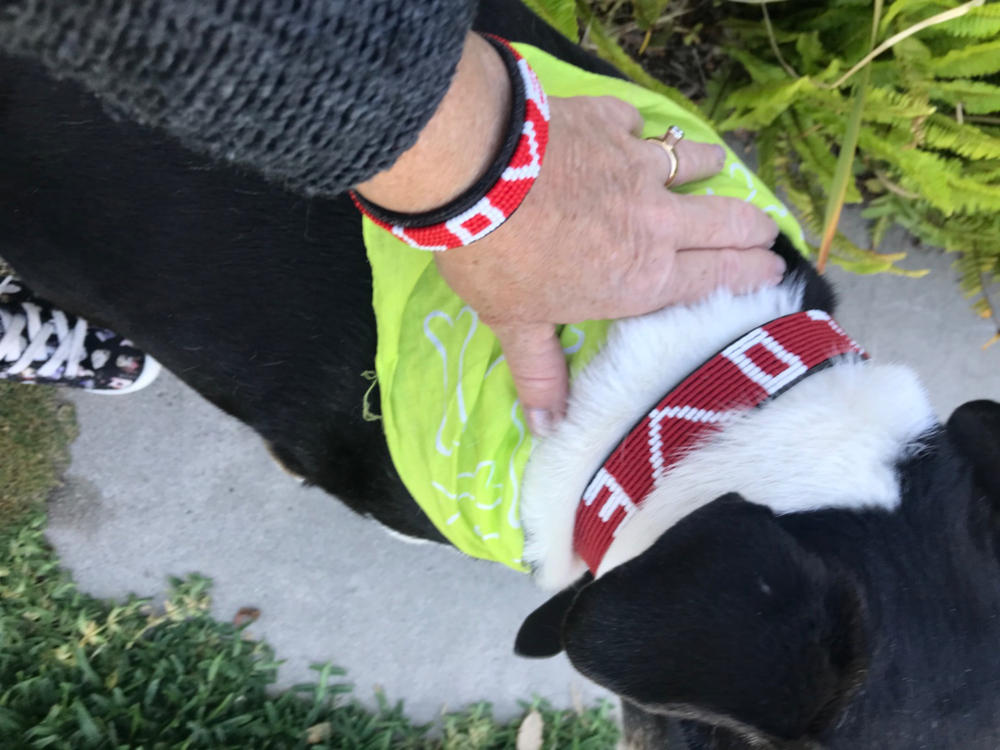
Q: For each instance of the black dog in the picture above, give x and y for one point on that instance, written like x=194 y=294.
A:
x=839 y=622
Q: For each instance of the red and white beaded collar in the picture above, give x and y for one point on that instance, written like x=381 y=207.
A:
x=754 y=369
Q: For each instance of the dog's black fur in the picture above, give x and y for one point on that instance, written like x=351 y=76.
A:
x=258 y=299
x=834 y=629
x=840 y=629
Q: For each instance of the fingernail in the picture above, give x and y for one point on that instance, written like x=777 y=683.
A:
x=779 y=266
x=541 y=422
x=720 y=156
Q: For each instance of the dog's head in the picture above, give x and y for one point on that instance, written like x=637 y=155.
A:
x=826 y=629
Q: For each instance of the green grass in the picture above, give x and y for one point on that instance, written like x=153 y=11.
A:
x=35 y=428
x=79 y=672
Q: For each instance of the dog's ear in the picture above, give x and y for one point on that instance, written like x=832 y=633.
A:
x=974 y=427
x=540 y=635
x=817 y=292
x=726 y=620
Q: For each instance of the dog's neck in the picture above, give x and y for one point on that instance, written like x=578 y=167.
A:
x=831 y=441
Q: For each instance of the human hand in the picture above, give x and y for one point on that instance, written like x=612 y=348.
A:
x=598 y=236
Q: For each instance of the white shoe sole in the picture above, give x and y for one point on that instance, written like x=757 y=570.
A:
x=151 y=369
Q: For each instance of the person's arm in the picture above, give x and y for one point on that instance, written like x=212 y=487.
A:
x=457 y=144
x=329 y=94
x=316 y=95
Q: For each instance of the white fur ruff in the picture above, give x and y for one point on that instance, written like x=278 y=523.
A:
x=831 y=441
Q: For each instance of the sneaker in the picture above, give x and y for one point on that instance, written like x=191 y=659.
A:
x=44 y=345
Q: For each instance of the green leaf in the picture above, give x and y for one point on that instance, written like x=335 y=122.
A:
x=86 y=723
x=973 y=60
x=914 y=10
x=976 y=97
x=943 y=133
x=979 y=23
x=879 y=229
x=884 y=105
x=760 y=71
x=89 y=675
x=817 y=158
x=647 y=12
x=811 y=52
x=560 y=14
x=757 y=105
x=844 y=174
x=937 y=179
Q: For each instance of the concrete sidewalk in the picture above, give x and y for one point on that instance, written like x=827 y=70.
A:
x=161 y=483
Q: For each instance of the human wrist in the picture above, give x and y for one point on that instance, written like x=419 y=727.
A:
x=497 y=193
x=459 y=142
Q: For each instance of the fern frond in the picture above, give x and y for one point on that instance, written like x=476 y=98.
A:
x=912 y=49
x=883 y=105
x=943 y=133
x=816 y=155
x=754 y=31
x=974 y=269
x=768 y=152
x=987 y=170
x=808 y=210
x=955 y=234
x=819 y=162
x=895 y=146
x=973 y=60
x=938 y=179
x=971 y=195
x=918 y=168
x=886 y=104
x=879 y=228
x=979 y=23
x=913 y=60
x=757 y=105
x=840 y=16
x=811 y=53
x=760 y=72
x=914 y=10
x=844 y=28
x=560 y=14
x=976 y=97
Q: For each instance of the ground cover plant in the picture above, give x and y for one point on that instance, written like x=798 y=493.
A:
x=78 y=672
x=35 y=429
x=893 y=105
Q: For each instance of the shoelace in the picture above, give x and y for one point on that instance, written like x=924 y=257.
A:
x=26 y=338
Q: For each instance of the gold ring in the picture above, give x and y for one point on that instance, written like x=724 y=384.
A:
x=668 y=140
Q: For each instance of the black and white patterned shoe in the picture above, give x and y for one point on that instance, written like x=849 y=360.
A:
x=42 y=344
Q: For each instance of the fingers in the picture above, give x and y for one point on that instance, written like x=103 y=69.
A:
x=714 y=222
x=695 y=161
x=698 y=273
x=536 y=360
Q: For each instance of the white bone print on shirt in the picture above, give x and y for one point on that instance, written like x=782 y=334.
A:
x=451 y=368
x=466 y=490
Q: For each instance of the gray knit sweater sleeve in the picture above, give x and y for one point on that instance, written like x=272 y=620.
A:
x=316 y=94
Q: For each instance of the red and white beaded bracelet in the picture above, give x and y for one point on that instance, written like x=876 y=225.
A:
x=495 y=196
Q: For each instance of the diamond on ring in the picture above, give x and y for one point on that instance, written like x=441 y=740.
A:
x=673 y=136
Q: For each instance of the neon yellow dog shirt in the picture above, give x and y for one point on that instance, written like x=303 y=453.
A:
x=454 y=427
